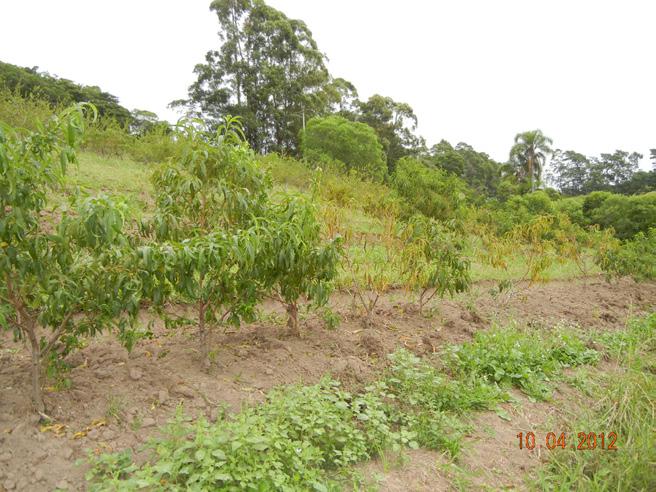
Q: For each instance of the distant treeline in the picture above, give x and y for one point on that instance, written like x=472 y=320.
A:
x=58 y=92
x=61 y=92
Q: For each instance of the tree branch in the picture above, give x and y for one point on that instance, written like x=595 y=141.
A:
x=57 y=334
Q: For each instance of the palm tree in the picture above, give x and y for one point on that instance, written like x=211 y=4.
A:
x=529 y=154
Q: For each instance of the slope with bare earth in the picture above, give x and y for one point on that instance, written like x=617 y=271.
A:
x=117 y=400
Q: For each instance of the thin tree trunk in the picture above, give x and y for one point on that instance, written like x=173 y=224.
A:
x=422 y=302
x=292 y=319
x=35 y=369
x=424 y=299
x=202 y=336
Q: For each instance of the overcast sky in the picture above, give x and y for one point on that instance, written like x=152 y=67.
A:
x=477 y=71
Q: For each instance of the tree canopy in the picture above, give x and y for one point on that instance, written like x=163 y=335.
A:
x=61 y=92
x=477 y=169
x=394 y=123
x=269 y=70
x=577 y=174
x=529 y=154
x=352 y=143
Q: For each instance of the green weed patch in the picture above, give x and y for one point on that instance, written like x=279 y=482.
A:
x=308 y=437
x=527 y=359
x=624 y=403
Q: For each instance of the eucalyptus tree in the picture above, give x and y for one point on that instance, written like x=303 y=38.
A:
x=65 y=274
x=577 y=174
x=269 y=70
x=529 y=154
x=570 y=172
x=394 y=123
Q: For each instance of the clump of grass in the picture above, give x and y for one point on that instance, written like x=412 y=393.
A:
x=431 y=403
x=639 y=334
x=624 y=403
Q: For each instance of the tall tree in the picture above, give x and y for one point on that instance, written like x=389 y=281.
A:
x=569 y=172
x=529 y=154
x=394 y=123
x=477 y=169
x=576 y=174
x=268 y=70
x=618 y=167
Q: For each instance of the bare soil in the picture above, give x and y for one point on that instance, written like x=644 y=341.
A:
x=117 y=400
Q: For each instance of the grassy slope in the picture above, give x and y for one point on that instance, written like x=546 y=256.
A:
x=131 y=180
x=114 y=176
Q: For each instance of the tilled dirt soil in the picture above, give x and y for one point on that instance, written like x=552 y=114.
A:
x=117 y=400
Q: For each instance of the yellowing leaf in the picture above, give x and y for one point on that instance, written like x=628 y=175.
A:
x=57 y=429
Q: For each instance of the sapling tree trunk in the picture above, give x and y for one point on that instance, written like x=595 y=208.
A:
x=292 y=319
x=424 y=298
x=369 y=306
x=203 y=335
x=35 y=370
x=37 y=355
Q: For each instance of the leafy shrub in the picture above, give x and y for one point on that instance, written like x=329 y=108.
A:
x=156 y=145
x=627 y=215
x=573 y=208
x=63 y=278
x=335 y=185
x=415 y=382
x=581 y=245
x=298 y=263
x=206 y=240
x=23 y=112
x=433 y=259
x=533 y=240
x=372 y=270
x=519 y=210
x=355 y=144
x=429 y=402
x=287 y=171
x=635 y=258
x=431 y=192
x=108 y=138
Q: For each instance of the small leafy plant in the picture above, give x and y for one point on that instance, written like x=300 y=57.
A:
x=298 y=263
x=68 y=274
x=433 y=259
x=291 y=441
x=521 y=358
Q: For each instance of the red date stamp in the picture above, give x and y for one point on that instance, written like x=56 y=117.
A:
x=582 y=441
